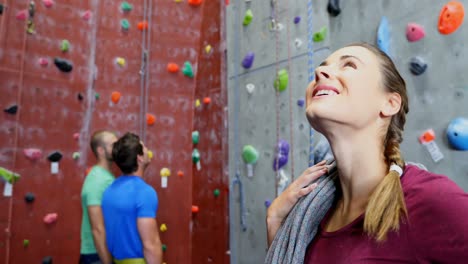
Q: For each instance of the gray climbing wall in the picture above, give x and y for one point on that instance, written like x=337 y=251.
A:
x=436 y=97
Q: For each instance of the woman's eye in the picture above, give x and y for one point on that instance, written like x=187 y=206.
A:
x=350 y=64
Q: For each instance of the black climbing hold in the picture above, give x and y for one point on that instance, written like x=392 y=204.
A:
x=47 y=260
x=417 y=66
x=11 y=110
x=80 y=97
x=333 y=7
x=63 y=65
x=1 y=9
x=29 y=197
x=55 y=157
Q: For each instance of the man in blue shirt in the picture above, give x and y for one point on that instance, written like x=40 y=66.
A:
x=129 y=206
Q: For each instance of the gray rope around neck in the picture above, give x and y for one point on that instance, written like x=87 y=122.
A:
x=301 y=225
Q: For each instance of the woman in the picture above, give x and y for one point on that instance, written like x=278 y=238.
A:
x=382 y=211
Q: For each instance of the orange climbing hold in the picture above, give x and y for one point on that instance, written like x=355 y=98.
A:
x=195 y=209
x=195 y=2
x=180 y=174
x=143 y=25
x=451 y=17
x=172 y=67
x=150 y=119
x=207 y=100
x=115 y=97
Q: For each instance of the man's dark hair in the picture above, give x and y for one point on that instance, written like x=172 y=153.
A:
x=125 y=152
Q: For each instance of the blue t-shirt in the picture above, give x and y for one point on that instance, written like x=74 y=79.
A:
x=125 y=200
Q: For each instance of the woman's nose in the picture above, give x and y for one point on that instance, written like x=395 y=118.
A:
x=320 y=74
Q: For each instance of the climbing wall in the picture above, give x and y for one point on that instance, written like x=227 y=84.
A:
x=260 y=117
x=120 y=81
x=437 y=96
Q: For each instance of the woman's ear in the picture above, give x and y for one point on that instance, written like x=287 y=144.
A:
x=391 y=105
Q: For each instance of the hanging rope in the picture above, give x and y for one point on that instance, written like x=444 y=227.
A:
x=274 y=24
x=147 y=57
x=291 y=117
x=311 y=71
x=143 y=73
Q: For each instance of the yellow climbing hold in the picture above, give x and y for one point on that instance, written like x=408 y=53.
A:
x=163 y=228
x=208 y=48
x=197 y=103
x=150 y=154
x=165 y=172
x=120 y=61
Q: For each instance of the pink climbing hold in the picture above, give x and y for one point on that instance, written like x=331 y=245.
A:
x=50 y=218
x=33 y=153
x=22 y=15
x=86 y=15
x=48 y=3
x=414 y=32
x=43 y=62
x=76 y=136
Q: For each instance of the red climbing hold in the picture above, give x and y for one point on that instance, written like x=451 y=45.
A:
x=43 y=62
x=172 y=67
x=195 y=2
x=207 y=100
x=48 y=3
x=143 y=25
x=195 y=209
x=414 y=32
x=50 y=218
x=86 y=15
x=180 y=174
x=22 y=15
x=115 y=97
x=32 y=153
x=451 y=17
x=150 y=119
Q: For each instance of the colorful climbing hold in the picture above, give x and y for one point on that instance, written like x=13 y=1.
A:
x=164 y=247
x=414 y=32
x=195 y=137
x=9 y=176
x=22 y=14
x=208 y=49
x=76 y=155
x=451 y=17
x=383 y=36
x=1 y=9
x=195 y=156
x=29 y=197
x=320 y=36
x=298 y=43
x=165 y=172
x=195 y=209
x=180 y=174
x=172 y=67
x=25 y=242
x=124 y=24
x=97 y=96
x=248 y=60
x=282 y=79
x=250 y=88
x=333 y=7
x=197 y=103
x=297 y=20
x=163 y=228
x=248 y=17
x=65 y=45
x=142 y=25
x=11 y=109
x=86 y=15
x=150 y=154
x=80 y=97
x=150 y=119
x=216 y=192
x=207 y=100
x=300 y=102
x=188 y=70
x=281 y=155
x=63 y=65
x=417 y=66
x=76 y=136
x=120 y=61
x=195 y=2
x=30 y=27
x=250 y=154
x=126 y=7
x=44 y=62
x=47 y=260
x=48 y=3
x=50 y=218
x=267 y=203
x=55 y=156
x=32 y=8
x=457 y=133
x=32 y=153
x=115 y=97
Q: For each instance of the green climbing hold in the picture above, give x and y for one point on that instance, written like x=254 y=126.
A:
x=125 y=24
x=25 y=242
x=216 y=192
x=76 y=155
x=195 y=137
x=9 y=176
x=248 y=17
x=65 y=46
x=164 y=247
x=188 y=70
x=320 y=36
x=250 y=154
x=126 y=7
x=195 y=156
x=281 y=81
x=97 y=96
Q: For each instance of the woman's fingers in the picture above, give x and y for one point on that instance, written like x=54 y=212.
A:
x=306 y=190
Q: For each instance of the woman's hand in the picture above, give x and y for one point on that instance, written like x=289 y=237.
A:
x=283 y=204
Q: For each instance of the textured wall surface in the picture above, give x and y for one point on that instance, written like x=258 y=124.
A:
x=50 y=113
x=436 y=97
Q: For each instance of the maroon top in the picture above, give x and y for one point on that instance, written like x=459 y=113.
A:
x=436 y=230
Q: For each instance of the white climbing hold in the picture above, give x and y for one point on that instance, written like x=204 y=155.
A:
x=250 y=88
x=298 y=42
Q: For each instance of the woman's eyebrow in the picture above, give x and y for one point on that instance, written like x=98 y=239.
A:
x=344 y=57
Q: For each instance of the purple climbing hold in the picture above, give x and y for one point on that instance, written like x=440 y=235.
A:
x=300 y=102
x=11 y=110
x=248 y=60
x=297 y=20
x=267 y=203
x=281 y=155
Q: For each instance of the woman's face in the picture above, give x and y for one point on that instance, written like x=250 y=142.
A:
x=347 y=89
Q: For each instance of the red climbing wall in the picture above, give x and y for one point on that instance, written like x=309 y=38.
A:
x=50 y=113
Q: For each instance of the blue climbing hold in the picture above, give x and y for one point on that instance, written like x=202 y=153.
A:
x=297 y=20
x=457 y=133
x=248 y=60
x=383 y=36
